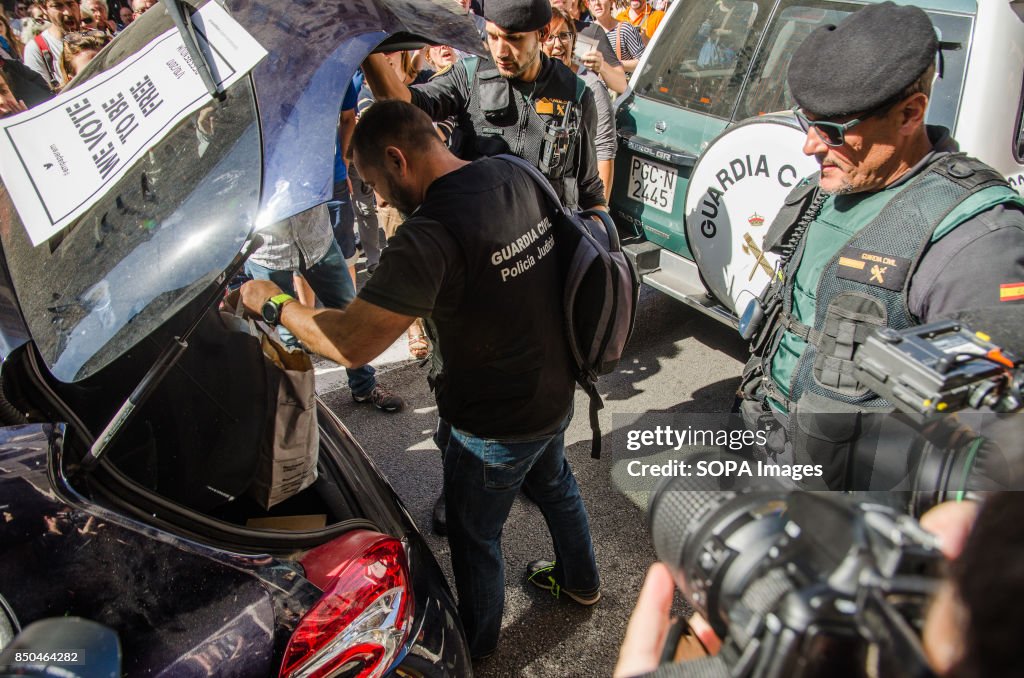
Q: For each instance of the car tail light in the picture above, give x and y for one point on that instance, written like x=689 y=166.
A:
x=365 y=615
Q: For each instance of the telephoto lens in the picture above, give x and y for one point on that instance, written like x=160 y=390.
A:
x=795 y=583
x=712 y=538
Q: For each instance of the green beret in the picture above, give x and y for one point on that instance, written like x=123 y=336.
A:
x=864 y=62
x=518 y=16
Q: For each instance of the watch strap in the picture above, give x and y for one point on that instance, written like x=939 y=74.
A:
x=278 y=302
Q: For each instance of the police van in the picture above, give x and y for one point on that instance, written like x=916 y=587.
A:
x=708 y=149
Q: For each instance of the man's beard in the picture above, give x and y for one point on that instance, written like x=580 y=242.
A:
x=844 y=189
x=521 y=69
x=401 y=199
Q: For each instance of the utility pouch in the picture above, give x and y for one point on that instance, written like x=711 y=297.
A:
x=849 y=320
x=751 y=320
x=495 y=97
x=824 y=432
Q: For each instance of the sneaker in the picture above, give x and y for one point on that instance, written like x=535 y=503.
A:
x=382 y=399
x=540 y=573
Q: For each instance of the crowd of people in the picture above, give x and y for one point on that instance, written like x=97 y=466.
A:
x=55 y=39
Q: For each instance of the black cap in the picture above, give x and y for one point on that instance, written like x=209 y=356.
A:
x=864 y=62
x=518 y=16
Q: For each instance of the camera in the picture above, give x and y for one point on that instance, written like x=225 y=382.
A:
x=954 y=392
x=798 y=584
x=938 y=368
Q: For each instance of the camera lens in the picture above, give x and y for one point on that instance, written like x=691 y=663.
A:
x=970 y=469
x=715 y=533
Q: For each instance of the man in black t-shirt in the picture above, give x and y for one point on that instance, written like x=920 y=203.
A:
x=475 y=259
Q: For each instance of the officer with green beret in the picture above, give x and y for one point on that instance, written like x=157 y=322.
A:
x=519 y=101
x=898 y=229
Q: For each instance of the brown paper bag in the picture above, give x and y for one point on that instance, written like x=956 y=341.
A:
x=288 y=465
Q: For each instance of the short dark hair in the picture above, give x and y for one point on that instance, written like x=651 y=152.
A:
x=989 y=579
x=922 y=85
x=393 y=123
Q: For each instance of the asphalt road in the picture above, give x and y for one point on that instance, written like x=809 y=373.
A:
x=678 y=361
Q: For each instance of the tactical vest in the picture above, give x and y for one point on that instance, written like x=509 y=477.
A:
x=503 y=120
x=863 y=287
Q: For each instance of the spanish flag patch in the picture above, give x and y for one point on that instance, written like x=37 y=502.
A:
x=1011 y=291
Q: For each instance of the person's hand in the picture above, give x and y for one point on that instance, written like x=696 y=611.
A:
x=255 y=293
x=951 y=522
x=230 y=301
x=593 y=60
x=649 y=625
x=15 y=106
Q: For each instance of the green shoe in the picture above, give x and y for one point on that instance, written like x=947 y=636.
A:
x=540 y=573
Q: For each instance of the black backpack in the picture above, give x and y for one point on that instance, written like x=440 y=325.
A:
x=601 y=292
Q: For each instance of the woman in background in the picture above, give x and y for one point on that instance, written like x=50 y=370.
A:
x=559 y=45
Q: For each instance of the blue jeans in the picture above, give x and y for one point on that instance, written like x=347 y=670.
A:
x=343 y=220
x=332 y=284
x=481 y=480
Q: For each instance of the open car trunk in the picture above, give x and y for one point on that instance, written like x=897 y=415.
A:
x=189 y=454
x=104 y=290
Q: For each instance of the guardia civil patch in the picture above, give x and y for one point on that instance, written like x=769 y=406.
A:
x=548 y=106
x=873 y=268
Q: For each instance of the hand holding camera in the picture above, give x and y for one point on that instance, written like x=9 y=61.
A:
x=649 y=640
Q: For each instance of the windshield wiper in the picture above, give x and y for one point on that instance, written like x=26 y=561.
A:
x=179 y=12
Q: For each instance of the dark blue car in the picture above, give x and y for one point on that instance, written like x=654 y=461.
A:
x=111 y=342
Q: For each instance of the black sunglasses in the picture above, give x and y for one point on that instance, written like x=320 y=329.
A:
x=834 y=133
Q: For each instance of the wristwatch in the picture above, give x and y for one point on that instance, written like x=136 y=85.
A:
x=272 y=307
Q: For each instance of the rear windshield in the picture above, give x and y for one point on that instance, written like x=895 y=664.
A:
x=705 y=68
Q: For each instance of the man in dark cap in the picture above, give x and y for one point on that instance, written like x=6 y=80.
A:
x=519 y=102
x=856 y=258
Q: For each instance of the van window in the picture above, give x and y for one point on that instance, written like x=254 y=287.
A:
x=701 y=68
x=767 y=91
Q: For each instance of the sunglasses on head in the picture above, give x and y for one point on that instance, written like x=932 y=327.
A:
x=79 y=36
x=834 y=133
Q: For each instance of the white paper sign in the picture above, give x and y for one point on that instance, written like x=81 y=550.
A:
x=59 y=158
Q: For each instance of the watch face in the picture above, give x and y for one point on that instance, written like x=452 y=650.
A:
x=270 y=311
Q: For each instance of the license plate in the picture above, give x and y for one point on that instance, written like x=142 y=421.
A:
x=653 y=184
